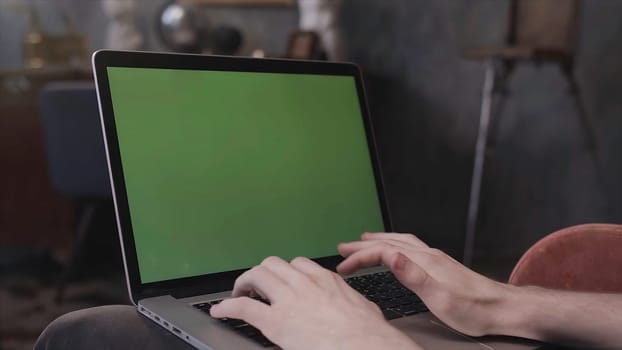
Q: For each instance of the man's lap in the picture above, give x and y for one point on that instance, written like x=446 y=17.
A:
x=106 y=327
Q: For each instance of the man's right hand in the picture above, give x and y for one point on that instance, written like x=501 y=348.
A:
x=310 y=308
x=463 y=299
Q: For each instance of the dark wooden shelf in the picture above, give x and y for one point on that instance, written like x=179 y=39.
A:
x=31 y=213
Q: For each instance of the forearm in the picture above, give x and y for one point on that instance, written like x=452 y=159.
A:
x=562 y=317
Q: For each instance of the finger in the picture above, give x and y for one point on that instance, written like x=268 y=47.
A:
x=306 y=265
x=409 y=273
x=252 y=311
x=371 y=256
x=346 y=249
x=381 y=253
x=408 y=238
x=290 y=275
x=319 y=275
x=261 y=280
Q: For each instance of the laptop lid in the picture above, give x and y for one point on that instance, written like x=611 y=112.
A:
x=217 y=162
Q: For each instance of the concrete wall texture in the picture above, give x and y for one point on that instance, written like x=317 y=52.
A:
x=425 y=100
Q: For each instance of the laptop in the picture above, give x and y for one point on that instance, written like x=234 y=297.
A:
x=218 y=162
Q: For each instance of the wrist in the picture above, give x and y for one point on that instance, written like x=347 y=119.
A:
x=514 y=312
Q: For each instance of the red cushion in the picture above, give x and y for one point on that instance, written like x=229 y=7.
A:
x=584 y=258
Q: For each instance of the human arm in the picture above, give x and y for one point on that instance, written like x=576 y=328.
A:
x=310 y=308
x=592 y=320
x=476 y=305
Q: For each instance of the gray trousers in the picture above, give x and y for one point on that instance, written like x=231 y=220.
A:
x=117 y=327
x=107 y=327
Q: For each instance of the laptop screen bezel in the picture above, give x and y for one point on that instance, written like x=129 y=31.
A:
x=222 y=281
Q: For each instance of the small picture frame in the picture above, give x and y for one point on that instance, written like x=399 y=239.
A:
x=240 y=2
x=303 y=45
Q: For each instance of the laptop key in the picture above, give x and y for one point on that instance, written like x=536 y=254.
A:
x=405 y=300
x=391 y=314
x=235 y=323
x=421 y=307
x=248 y=331
x=408 y=310
x=203 y=307
x=262 y=340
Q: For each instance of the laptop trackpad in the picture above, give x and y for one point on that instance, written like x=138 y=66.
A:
x=430 y=333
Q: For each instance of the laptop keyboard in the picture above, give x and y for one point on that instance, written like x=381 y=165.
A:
x=387 y=292
x=382 y=288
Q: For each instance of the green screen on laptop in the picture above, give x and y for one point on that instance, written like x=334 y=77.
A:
x=225 y=168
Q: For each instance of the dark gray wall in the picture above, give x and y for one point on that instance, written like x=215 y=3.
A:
x=425 y=101
x=425 y=104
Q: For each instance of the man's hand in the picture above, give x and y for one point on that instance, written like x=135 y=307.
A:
x=476 y=305
x=463 y=299
x=310 y=308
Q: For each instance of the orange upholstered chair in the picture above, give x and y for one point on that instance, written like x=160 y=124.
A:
x=583 y=258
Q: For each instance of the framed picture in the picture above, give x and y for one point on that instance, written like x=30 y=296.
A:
x=241 y=2
x=303 y=45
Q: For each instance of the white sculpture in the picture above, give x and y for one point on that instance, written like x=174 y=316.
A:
x=122 y=33
x=322 y=17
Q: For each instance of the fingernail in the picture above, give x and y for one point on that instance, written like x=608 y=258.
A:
x=214 y=308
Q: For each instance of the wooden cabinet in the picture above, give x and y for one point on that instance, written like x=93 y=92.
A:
x=31 y=213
